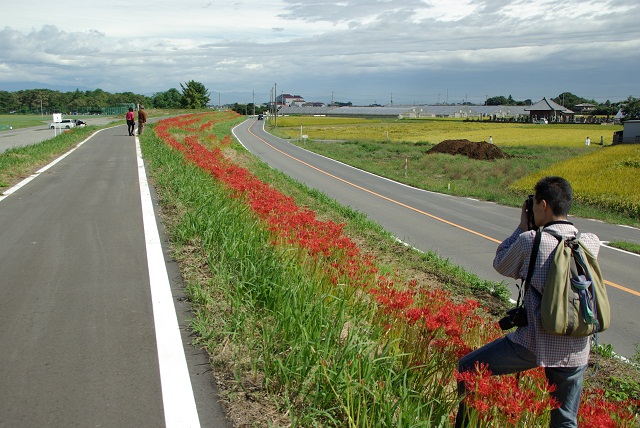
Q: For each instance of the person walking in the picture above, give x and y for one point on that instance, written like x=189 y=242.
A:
x=130 y=121
x=142 y=119
x=564 y=358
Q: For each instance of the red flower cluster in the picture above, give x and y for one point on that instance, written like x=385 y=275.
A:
x=598 y=412
x=501 y=400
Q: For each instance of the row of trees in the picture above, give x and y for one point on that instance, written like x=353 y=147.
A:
x=47 y=101
x=195 y=95
x=629 y=107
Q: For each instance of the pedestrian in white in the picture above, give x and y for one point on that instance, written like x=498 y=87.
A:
x=587 y=142
x=490 y=139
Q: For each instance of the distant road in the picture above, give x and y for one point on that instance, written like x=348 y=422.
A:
x=11 y=138
x=464 y=230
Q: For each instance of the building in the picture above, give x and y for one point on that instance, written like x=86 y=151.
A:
x=549 y=110
x=289 y=100
x=584 y=108
x=630 y=133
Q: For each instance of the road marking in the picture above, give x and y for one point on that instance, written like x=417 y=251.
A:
x=177 y=394
x=612 y=284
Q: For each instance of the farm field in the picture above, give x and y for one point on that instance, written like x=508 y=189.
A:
x=605 y=178
x=437 y=130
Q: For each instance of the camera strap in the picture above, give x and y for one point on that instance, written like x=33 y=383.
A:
x=532 y=265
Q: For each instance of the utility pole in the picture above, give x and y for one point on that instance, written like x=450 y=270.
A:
x=275 y=106
x=253 y=92
x=391 y=98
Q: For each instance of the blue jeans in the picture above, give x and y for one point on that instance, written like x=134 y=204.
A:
x=505 y=357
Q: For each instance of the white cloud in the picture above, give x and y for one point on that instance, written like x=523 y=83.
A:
x=150 y=47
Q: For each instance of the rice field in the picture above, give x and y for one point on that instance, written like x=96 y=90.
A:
x=437 y=130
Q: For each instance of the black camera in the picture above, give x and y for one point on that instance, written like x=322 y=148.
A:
x=529 y=207
x=516 y=317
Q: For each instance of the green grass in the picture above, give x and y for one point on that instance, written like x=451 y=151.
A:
x=627 y=246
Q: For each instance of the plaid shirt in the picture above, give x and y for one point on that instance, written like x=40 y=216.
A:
x=512 y=260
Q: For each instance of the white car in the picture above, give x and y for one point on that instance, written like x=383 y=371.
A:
x=66 y=124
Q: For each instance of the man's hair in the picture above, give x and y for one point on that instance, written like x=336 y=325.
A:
x=557 y=192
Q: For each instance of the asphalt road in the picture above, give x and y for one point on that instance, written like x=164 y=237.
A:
x=93 y=329
x=465 y=231
x=11 y=138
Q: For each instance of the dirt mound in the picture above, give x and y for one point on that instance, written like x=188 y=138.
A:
x=480 y=150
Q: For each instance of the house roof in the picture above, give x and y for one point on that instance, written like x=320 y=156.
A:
x=548 y=105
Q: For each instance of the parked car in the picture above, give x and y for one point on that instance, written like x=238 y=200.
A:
x=80 y=123
x=260 y=117
x=66 y=124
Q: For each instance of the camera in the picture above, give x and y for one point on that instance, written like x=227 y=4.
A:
x=529 y=207
x=516 y=317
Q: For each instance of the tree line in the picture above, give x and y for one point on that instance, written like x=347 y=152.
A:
x=630 y=107
x=47 y=101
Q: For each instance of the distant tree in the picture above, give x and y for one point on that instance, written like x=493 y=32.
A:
x=194 y=95
x=631 y=108
x=570 y=101
x=8 y=102
x=169 y=99
x=496 y=101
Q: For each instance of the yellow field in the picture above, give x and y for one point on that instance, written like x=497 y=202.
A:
x=435 y=131
x=609 y=178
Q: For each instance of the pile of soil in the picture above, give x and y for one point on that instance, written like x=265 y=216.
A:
x=480 y=150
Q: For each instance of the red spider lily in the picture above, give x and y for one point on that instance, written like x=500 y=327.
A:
x=598 y=412
x=502 y=398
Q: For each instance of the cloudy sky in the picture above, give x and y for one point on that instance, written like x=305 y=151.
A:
x=363 y=51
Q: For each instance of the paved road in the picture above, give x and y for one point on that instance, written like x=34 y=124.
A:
x=10 y=138
x=92 y=327
x=464 y=230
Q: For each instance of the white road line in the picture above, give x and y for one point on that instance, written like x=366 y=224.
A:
x=180 y=409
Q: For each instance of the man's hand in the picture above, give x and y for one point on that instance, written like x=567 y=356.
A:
x=524 y=218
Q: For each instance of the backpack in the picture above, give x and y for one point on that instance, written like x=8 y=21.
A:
x=574 y=301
